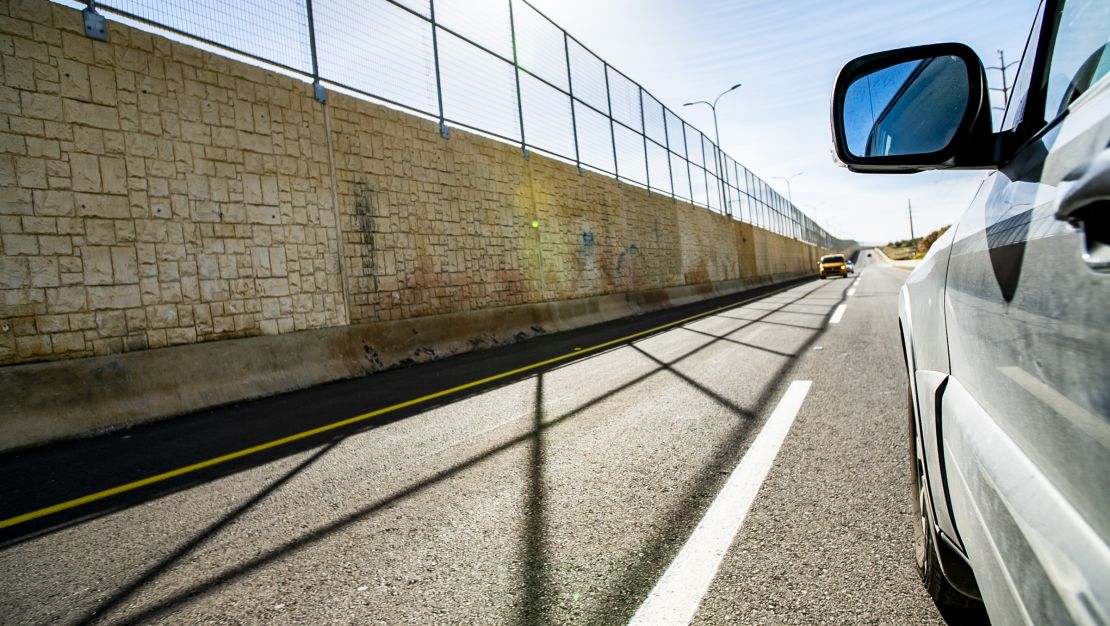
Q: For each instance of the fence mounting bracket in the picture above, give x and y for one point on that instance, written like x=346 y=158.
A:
x=318 y=92
x=444 y=131
x=525 y=151
x=95 y=25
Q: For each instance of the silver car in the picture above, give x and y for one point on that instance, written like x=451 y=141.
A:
x=1004 y=324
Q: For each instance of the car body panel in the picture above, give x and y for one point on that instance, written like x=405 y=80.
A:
x=1028 y=340
x=921 y=315
x=1006 y=319
x=1036 y=559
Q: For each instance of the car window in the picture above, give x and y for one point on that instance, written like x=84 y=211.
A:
x=1079 y=56
x=1019 y=92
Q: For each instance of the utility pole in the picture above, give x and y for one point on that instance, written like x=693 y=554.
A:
x=1002 y=67
x=909 y=207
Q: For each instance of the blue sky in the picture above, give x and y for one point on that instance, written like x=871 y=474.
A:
x=787 y=55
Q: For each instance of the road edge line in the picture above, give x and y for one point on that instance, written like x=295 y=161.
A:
x=188 y=469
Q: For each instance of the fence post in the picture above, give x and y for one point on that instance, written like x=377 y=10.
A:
x=318 y=91
x=736 y=177
x=643 y=130
x=573 y=115
x=718 y=163
x=443 y=130
x=516 y=74
x=667 y=142
x=723 y=173
x=704 y=169
x=686 y=157
x=612 y=127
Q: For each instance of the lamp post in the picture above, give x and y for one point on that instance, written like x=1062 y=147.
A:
x=717 y=135
x=788 y=179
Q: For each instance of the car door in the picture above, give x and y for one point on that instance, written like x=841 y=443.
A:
x=1025 y=416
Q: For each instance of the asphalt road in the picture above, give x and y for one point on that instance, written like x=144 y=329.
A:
x=561 y=494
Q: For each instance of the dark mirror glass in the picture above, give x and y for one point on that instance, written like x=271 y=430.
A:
x=910 y=108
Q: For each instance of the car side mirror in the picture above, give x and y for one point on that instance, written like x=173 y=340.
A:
x=913 y=109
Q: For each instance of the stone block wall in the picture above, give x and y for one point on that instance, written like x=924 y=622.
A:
x=153 y=194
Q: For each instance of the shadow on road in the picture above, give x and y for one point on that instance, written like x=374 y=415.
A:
x=537 y=600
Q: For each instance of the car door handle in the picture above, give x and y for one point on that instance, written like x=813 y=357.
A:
x=1084 y=205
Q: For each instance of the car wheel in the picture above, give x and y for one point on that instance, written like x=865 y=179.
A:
x=924 y=538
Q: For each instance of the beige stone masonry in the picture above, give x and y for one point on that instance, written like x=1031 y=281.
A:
x=153 y=194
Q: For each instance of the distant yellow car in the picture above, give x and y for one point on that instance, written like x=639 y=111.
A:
x=833 y=265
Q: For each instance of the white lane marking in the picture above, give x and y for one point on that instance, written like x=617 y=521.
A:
x=851 y=292
x=837 y=314
x=678 y=594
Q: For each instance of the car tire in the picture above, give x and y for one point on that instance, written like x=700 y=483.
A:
x=943 y=593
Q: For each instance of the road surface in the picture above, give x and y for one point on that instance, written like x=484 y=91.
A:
x=570 y=492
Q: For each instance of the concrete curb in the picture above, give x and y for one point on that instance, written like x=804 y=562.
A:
x=56 y=400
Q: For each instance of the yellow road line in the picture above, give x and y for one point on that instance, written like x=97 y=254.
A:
x=149 y=480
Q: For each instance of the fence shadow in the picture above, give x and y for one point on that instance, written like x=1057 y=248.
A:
x=534 y=547
x=537 y=599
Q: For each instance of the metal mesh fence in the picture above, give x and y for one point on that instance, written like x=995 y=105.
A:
x=500 y=67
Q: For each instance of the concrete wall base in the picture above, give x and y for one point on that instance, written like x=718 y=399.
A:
x=56 y=400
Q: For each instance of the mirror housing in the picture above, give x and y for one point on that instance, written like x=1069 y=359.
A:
x=972 y=144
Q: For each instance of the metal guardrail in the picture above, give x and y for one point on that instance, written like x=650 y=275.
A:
x=500 y=67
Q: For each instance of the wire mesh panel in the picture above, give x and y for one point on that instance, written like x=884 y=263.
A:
x=483 y=22
x=754 y=205
x=738 y=176
x=659 y=174
x=422 y=7
x=630 y=155
x=675 y=133
x=625 y=98
x=587 y=75
x=654 y=123
x=594 y=142
x=539 y=45
x=547 y=123
x=479 y=90
x=729 y=205
x=693 y=146
x=378 y=48
x=710 y=152
x=714 y=198
x=680 y=170
x=502 y=68
x=699 y=185
x=272 y=30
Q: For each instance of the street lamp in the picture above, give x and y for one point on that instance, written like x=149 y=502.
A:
x=717 y=135
x=713 y=105
x=788 y=179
